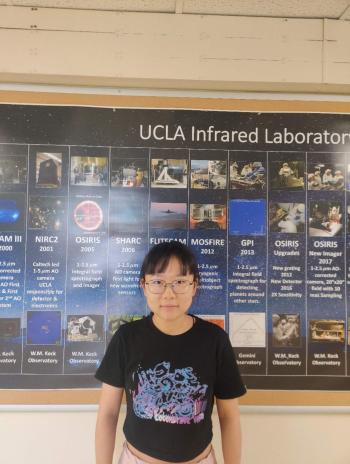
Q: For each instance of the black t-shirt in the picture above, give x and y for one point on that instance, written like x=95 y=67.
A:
x=170 y=382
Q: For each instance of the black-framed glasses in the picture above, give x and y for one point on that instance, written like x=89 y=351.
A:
x=158 y=286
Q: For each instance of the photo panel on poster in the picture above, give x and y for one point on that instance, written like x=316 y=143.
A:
x=169 y=173
x=248 y=330
x=85 y=328
x=249 y=176
x=44 y=327
x=47 y=213
x=208 y=217
x=13 y=170
x=88 y=214
x=168 y=216
x=287 y=174
x=12 y=212
x=247 y=217
x=128 y=213
x=325 y=175
x=286 y=330
x=89 y=171
x=208 y=174
x=48 y=170
x=10 y=328
x=327 y=331
x=325 y=218
x=286 y=218
x=129 y=172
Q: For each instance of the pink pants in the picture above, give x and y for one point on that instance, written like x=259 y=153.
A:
x=128 y=458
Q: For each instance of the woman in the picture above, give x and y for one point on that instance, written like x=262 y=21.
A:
x=171 y=366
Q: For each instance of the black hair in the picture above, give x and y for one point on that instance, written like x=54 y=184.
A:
x=158 y=257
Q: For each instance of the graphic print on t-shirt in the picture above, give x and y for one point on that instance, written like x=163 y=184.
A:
x=175 y=397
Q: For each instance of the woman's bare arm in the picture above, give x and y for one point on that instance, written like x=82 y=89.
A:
x=107 y=419
x=230 y=426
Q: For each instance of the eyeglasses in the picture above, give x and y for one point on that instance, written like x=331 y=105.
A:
x=158 y=286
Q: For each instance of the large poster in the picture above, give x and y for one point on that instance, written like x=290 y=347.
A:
x=262 y=198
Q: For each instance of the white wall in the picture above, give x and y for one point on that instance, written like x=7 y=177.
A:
x=46 y=45
x=268 y=438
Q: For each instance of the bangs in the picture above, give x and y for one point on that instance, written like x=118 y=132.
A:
x=157 y=259
x=163 y=263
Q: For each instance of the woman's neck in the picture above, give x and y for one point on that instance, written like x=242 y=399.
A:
x=175 y=327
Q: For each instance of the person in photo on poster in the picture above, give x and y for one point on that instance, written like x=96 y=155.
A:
x=286 y=330
x=247 y=176
x=171 y=366
x=285 y=172
x=325 y=176
x=326 y=219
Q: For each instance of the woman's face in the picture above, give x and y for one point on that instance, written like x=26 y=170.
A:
x=168 y=305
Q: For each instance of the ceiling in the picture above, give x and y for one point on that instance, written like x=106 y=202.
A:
x=331 y=9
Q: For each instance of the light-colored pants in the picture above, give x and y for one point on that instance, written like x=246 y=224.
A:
x=127 y=457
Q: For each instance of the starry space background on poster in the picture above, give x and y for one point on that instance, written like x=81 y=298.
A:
x=84 y=193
